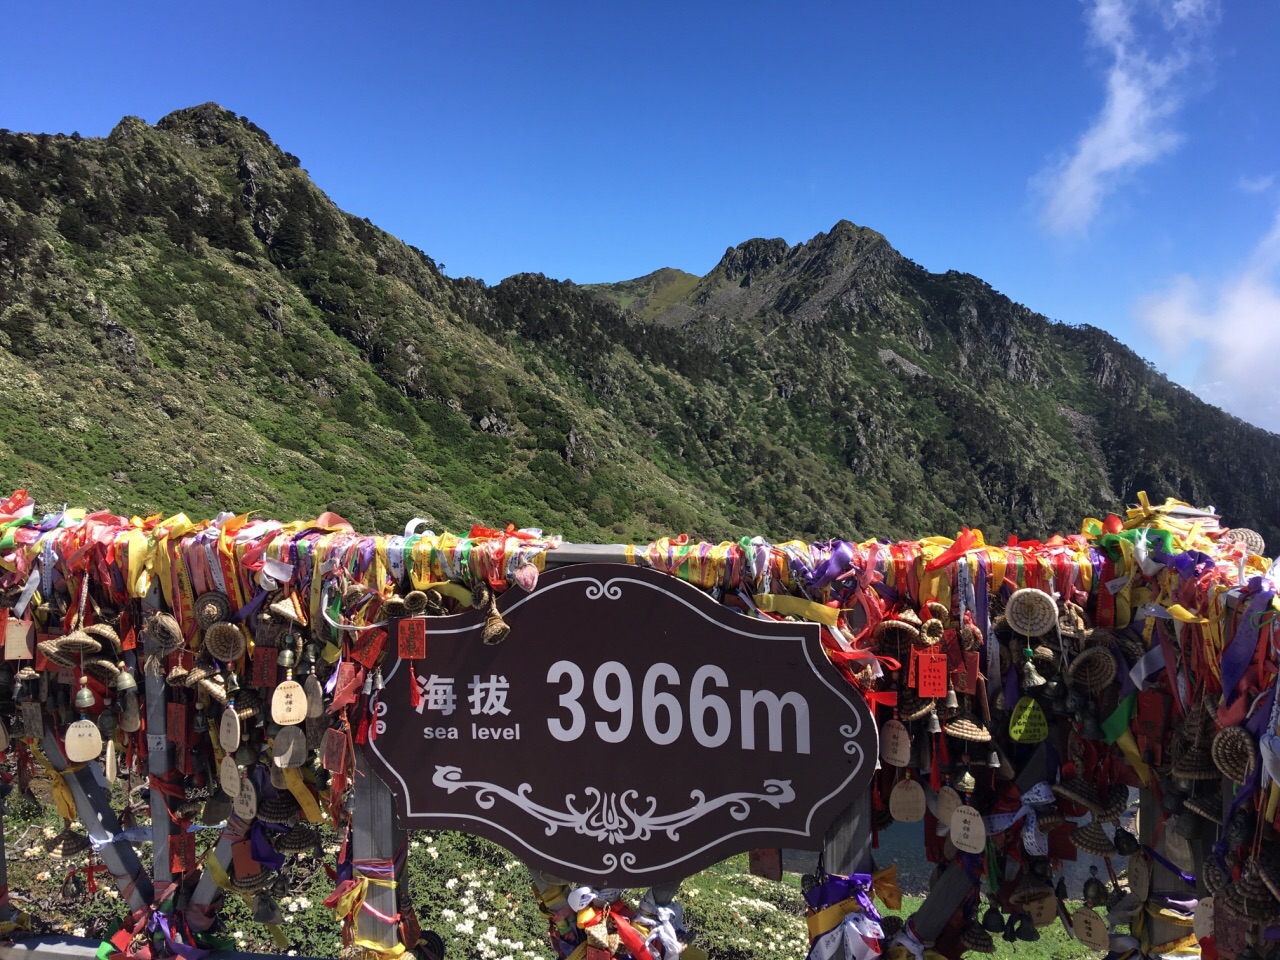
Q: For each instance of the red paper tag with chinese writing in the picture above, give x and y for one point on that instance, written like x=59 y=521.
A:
x=176 y=717
x=130 y=639
x=242 y=859
x=368 y=647
x=965 y=677
x=265 y=673
x=182 y=852
x=931 y=674
x=412 y=635
x=334 y=757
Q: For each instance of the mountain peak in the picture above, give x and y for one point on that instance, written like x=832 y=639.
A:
x=210 y=124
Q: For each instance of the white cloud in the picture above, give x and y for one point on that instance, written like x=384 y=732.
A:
x=1148 y=65
x=1258 y=184
x=1235 y=330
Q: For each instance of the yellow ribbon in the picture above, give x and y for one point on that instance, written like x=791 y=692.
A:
x=62 y=795
x=310 y=809
x=797 y=607
x=884 y=884
x=218 y=874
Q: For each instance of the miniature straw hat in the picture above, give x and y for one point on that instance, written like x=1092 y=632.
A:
x=964 y=728
x=415 y=601
x=1249 y=898
x=1031 y=612
x=253 y=881
x=105 y=634
x=394 y=607
x=891 y=926
x=1091 y=838
x=937 y=610
x=1251 y=539
x=1117 y=802
x=1079 y=792
x=977 y=939
x=52 y=652
x=79 y=643
x=931 y=632
x=102 y=669
x=163 y=631
x=1130 y=647
x=1093 y=670
x=301 y=838
x=1208 y=807
x=894 y=637
x=1193 y=762
x=1029 y=890
x=913 y=707
x=215 y=688
x=225 y=642
x=289 y=609
x=203 y=669
x=1215 y=878
x=279 y=809
x=1049 y=820
x=67 y=844
x=1269 y=873
x=210 y=608
x=1234 y=753
x=27 y=674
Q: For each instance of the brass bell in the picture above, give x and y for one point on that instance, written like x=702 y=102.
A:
x=107 y=723
x=246 y=755
x=1027 y=929
x=125 y=682
x=932 y=724
x=286 y=658
x=1126 y=843
x=266 y=910
x=1090 y=729
x=84 y=696
x=966 y=783
x=1031 y=679
x=1095 y=891
x=280 y=887
x=993 y=921
x=232 y=683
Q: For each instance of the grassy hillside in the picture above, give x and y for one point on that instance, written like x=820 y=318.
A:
x=188 y=322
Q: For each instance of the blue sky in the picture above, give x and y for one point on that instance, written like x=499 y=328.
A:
x=1114 y=162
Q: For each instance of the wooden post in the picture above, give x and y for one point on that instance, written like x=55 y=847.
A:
x=375 y=835
x=207 y=892
x=5 y=910
x=93 y=804
x=159 y=760
x=846 y=848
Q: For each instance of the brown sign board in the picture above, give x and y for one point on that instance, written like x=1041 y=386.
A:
x=630 y=731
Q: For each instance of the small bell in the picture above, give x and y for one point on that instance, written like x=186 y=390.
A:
x=1126 y=843
x=368 y=683
x=232 y=684
x=246 y=755
x=1053 y=689
x=107 y=723
x=1011 y=929
x=966 y=782
x=993 y=759
x=1060 y=891
x=993 y=921
x=1027 y=931
x=953 y=702
x=266 y=910
x=377 y=680
x=1042 y=870
x=932 y=724
x=1240 y=827
x=1031 y=679
x=287 y=658
x=1090 y=729
x=280 y=887
x=125 y=683
x=84 y=696
x=1095 y=891
x=200 y=723
x=1250 y=952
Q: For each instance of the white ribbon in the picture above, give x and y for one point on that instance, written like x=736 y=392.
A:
x=907 y=938
x=1269 y=742
x=857 y=938
x=411 y=528
x=663 y=934
x=1033 y=841
x=1148 y=665
x=132 y=835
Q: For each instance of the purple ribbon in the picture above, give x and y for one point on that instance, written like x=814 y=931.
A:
x=1243 y=645
x=159 y=920
x=835 y=889
x=261 y=847
x=839 y=559
x=1187 y=878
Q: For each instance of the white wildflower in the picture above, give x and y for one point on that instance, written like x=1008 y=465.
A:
x=293 y=907
x=78 y=932
x=451 y=883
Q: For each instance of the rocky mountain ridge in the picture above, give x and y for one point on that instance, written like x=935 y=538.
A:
x=188 y=322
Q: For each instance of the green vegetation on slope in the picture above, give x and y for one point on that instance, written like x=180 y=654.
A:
x=187 y=322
